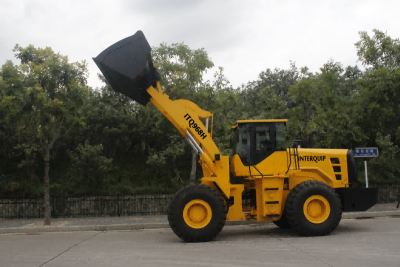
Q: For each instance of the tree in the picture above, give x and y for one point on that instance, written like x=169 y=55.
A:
x=11 y=149
x=194 y=165
x=280 y=81
x=336 y=118
x=378 y=51
x=377 y=101
x=378 y=96
x=303 y=114
x=385 y=169
x=45 y=93
x=325 y=101
x=181 y=69
x=93 y=166
x=378 y=109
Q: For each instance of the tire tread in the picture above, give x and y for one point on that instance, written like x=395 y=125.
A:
x=175 y=214
x=292 y=214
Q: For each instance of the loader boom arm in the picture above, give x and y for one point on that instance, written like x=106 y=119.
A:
x=185 y=116
x=127 y=66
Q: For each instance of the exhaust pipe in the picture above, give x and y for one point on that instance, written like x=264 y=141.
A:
x=311 y=139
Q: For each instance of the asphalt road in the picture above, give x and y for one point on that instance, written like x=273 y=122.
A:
x=362 y=242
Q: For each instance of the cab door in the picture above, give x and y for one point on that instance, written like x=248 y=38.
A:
x=264 y=141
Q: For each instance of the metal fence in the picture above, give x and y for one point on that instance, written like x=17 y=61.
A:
x=111 y=206
x=75 y=207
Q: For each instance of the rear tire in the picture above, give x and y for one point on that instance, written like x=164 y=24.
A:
x=313 y=208
x=282 y=222
x=197 y=213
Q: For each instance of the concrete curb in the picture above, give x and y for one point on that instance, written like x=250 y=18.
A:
x=138 y=226
x=370 y=214
x=115 y=227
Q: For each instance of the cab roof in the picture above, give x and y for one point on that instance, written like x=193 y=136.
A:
x=257 y=121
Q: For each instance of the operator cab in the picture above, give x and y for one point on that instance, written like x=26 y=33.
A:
x=258 y=139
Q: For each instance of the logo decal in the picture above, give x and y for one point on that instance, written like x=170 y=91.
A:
x=194 y=125
x=312 y=158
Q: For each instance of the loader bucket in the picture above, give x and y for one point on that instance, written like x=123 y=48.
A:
x=128 y=68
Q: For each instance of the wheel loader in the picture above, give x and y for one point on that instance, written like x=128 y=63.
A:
x=267 y=179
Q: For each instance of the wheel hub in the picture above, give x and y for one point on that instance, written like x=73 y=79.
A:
x=317 y=209
x=197 y=214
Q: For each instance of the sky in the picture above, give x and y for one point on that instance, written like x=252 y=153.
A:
x=243 y=37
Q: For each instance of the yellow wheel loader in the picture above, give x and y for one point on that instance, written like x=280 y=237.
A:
x=305 y=189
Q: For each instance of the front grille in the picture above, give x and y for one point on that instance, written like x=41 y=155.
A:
x=337 y=169
x=335 y=161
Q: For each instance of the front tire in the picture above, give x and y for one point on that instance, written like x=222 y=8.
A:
x=313 y=209
x=197 y=213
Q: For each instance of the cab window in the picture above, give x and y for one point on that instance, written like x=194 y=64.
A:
x=263 y=139
x=243 y=145
x=280 y=137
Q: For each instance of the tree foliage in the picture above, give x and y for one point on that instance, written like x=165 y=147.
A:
x=379 y=50
x=100 y=142
x=42 y=97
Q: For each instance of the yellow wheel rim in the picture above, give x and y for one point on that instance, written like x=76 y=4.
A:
x=317 y=209
x=197 y=214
